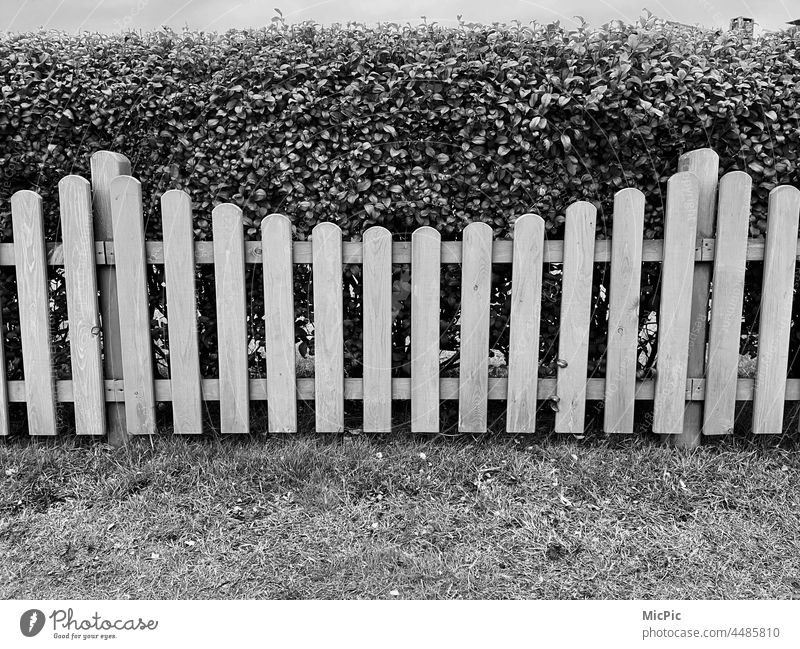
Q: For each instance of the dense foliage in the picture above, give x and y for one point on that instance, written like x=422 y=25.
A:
x=395 y=125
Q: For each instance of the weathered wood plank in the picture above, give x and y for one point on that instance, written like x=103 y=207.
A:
x=228 y=234
x=676 y=303
x=328 y=314
x=276 y=241
x=34 y=312
x=377 y=322
x=179 y=272
x=476 y=283
x=526 y=299
x=134 y=313
x=105 y=166
x=623 y=311
x=733 y=223
x=775 y=318
x=704 y=163
x=426 y=253
x=75 y=201
x=401 y=389
x=5 y=423
x=576 y=311
x=450 y=253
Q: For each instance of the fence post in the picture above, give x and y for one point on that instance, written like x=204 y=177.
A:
x=704 y=163
x=106 y=166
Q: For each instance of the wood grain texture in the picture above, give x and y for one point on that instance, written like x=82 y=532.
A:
x=694 y=389
x=377 y=322
x=502 y=251
x=34 y=312
x=733 y=224
x=576 y=311
x=75 y=201
x=476 y=283
x=526 y=308
x=5 y=424
x=179 y=272
x=704 y=163
x=775 y=319
x=105 y=166
x=134 y=313
x=326 y=239
x=228 y=234
x=623 y=311
x=276 y=242
x=677 y=272
x=426 y=251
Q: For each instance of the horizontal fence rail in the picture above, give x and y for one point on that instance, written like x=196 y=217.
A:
x=552 y=252
x=679 y=392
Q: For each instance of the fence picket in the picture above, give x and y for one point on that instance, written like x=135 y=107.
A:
x=690 y=380
x=276 y=243
x=526 y=297
x=134 y=312
x=426 y=254
x=733 y=224
x=377 y=322
x=623 y=311
x=576 y=306
x=776 y=310
x=105 y=166
x=326 y=239
x=476 y=284
x=179 y=273
x=704 y=163
x=34 y=311
x=5 y=423
x=234 y=398
x=680 y=224
x=75 y=200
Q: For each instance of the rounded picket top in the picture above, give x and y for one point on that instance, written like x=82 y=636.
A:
x=479 y=228
x=785 y=193
x=631 y=194
x=277 y=222
x=376 y=233
x=426 y=232
x=325 y=231
x=529 y=224
x=698 y=158
x=738 y=177
x=224 y=216
x=175 y=200
x=784 y=206
x=109 y=160
x=629 y=205
x=683 y=180
x=75 y=202
x=735 y=189
x=276 y=229
x=125 y=186
x=73 y=181
x=581 y=210
x=26 y=200
x=683 y=186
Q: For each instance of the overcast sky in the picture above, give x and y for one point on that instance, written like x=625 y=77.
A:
x=218 y=15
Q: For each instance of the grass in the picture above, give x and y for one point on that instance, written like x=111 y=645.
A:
x=383 y=517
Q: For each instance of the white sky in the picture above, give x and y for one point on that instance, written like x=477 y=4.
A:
x=218 y=15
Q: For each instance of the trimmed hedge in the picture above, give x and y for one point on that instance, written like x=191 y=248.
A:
x=400 y=126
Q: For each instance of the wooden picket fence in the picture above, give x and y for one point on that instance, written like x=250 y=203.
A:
x=695 y=389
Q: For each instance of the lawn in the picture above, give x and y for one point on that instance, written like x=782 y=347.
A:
x=398 y=517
